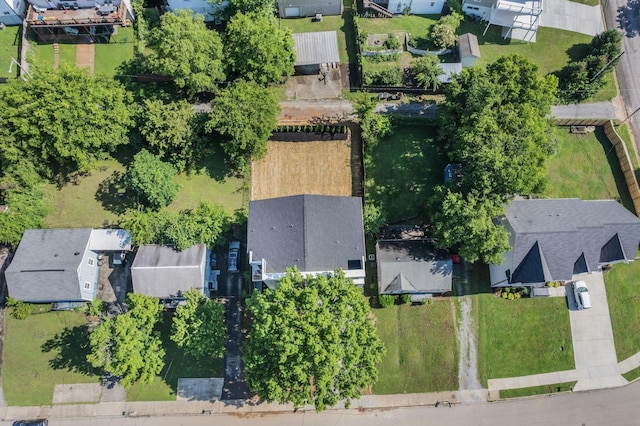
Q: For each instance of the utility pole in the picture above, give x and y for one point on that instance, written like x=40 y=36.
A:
x=629 y=116
x=605 y=67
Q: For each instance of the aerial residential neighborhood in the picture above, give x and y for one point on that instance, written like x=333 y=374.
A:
x=246 y=208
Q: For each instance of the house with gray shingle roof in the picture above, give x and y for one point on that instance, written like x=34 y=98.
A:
x=316 y=233
x=413 y=267
x=166 y=273
x=61 y=265
x=551 y=240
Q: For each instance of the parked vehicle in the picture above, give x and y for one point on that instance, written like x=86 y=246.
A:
x=37 y=422
x=581 y=293
x=234 y=250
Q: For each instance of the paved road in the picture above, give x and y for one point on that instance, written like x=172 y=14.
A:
x=611 y=407
x=624 y=15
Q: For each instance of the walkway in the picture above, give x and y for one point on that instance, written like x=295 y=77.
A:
x=571 y=16
x=85 y=56
x=606 y=110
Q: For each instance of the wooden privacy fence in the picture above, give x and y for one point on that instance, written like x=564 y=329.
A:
x=625 y=163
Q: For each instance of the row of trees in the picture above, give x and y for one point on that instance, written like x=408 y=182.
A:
x=129 y=346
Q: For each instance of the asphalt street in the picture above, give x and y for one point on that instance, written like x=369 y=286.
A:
x=609 y=407
x=624 y=15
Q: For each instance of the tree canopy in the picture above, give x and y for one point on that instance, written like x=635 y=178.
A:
x=152 y=180
x=184 y=48
x=311 y=341
x=426 y=70
x=245 y=114
x=199 y=326
x=204 y=225
x=258 y=50
x=494 y=122
x=126 y=346
x=171 y=131
x=62 y=121
x=264 y=7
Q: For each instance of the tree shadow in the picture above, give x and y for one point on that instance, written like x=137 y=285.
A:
x=112 y=194
x=629 y=18
x=71 y=348
x=578 y=52
x=612 y=159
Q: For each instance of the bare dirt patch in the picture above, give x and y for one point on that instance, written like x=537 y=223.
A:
x=292 y=168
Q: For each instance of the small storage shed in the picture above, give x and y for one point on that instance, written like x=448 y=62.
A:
x=468 y=49
x=449 y=70
x=315 y=51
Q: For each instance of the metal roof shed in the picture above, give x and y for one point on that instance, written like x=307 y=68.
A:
x=315 y=50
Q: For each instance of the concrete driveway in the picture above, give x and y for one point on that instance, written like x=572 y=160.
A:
x=572 y=16
x=594 y=351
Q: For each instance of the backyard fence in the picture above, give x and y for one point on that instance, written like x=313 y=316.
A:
x=625 y=163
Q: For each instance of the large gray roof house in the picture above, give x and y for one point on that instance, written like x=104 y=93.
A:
x=413 y=267
x=551 y=240
x=316 y=233
x=165 y=273
x=53 y=265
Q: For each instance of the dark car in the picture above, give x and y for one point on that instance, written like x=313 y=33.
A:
x=37 y=422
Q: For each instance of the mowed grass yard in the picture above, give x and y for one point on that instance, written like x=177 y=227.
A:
x=29 y=373
x=78 y=203
x=9 y=43
x=402 y=169
x=422 y=348
x=522 y=337
x=623 y=296
x=586 y=167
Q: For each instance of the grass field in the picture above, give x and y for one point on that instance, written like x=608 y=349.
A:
x=77 y=204
x=416 y=25
x=522 y=337
x=422 y=348
x=537 y=390
x=328 y=23
x=623 y=297
x=28 y=372
x=109 y=56
x=9 y=43
x=290 y=168
x=402 y=170
x=586 y=167
x=177 y=365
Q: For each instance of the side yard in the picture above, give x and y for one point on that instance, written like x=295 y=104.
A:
x=9 y=48
x=624 y=308
x=422 y=348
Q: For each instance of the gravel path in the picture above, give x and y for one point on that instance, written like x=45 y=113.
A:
x=468 y=368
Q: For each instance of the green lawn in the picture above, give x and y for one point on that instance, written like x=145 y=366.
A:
x=109 y=56
x=177 y=365
x=623 y=296
x=78 y=204
x=402 y=169
x=522 y=337
x=341 y=24
x=67 y=54
x=632 y=375
x=43 y=54
x=28 y=372
x=9 y=42
x=588 y=2
x=586 y=167
x=416 y=25
x=537 y=390
x=422 y=348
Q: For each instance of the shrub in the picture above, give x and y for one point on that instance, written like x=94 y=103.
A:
x=20 y=310
x=405 y=299
x=425 y=301
x=386 y=300
x=443 y=33
x=95 y=308
x=381 y=58
x=392 y=42
x=388 y=77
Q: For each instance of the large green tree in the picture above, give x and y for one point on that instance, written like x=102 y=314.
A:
x=127 y=346
x=62 y=121
x=152 y=180
x=26 y=209
x=204 y=225
x=199 y=326
x=312 y=341
x=264 y=7
x=184 y=48
x=426 y=70
x=258 y=50
x=494 y=122
x=245 y=115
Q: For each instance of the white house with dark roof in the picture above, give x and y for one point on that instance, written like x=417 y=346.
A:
x=61 y=265
x=413 y=267
x=165 y=273
x=316 y=233
x=551 y=240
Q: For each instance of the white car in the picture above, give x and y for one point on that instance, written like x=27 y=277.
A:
x=581 y=293
x=234 y=249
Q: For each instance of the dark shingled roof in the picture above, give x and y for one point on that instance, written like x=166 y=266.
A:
x=161 y=271
x=45 y=266
x=312 y=232
x=412 y=266
x=554 y=238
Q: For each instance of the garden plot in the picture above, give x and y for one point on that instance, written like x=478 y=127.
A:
x=314 y=167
